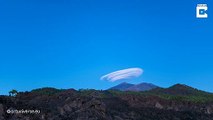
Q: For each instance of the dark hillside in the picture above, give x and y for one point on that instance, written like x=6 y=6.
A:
x=90 y=104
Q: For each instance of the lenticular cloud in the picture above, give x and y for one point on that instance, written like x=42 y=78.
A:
x=123 y=74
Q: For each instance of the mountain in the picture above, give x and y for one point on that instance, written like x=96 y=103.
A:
x=182 y=92
x=142 y=87
x=132 y=87
x=90 y=104
x=122 y=87
x=179 y=89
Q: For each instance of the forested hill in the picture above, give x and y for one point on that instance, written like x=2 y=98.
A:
x=178 y=102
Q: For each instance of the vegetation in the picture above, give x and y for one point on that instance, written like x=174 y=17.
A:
x=177 y=93
x=174 y=103
x=46 y=91
x=13 y=92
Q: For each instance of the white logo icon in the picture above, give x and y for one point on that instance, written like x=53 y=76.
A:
x=201 y=11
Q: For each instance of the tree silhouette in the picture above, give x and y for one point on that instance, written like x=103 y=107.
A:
x=13 y=92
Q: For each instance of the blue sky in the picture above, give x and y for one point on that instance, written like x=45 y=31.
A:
x=72 y=43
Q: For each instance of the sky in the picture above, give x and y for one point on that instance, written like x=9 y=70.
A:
x=72 y=43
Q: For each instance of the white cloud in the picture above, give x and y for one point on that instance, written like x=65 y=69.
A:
x=123 y=74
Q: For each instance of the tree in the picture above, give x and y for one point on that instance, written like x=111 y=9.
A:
x=13 y=92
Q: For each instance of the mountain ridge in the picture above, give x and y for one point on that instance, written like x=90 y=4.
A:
x=122 y=86
x=83 y=104
x=179 y=89
x=134 y=87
